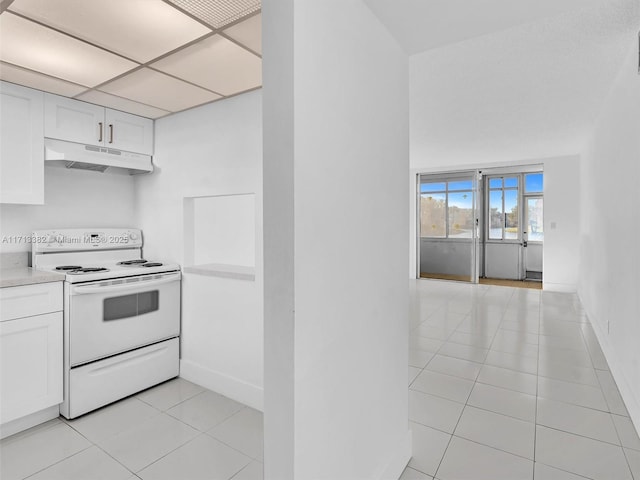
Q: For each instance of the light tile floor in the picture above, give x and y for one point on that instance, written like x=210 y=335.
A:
x=176 y=430
x=508 y=384
x=504 y=383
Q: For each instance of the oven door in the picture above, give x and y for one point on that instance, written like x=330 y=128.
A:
x=112 y=316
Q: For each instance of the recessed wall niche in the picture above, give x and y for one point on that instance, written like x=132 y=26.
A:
x=219 y=235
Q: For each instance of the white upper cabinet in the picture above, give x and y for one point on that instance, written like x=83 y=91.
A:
x=128 y=132
x=68 y=119
x=21 y=145
x=81 y=122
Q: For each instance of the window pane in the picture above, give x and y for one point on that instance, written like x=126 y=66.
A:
x=461 y=215
x=495 y=183
x=533 y=183
x=511 y=182
x=465 y=185
x=534 y=214
x=432 y=215
x=433 y=187
x=495 y=214
x=511 y=214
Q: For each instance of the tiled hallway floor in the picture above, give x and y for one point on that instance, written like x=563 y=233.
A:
x=508 y=384
x=505 y=384
x=175 y=431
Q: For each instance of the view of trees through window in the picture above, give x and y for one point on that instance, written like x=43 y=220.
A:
x=504 y=217
x=446 y=209
x=515 y=203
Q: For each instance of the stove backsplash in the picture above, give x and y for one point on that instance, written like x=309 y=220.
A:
x=73 y=199
x=14 y=259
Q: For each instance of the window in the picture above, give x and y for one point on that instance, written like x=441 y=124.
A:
x=533 y=183
x=535 y=219
x=504 y=216
x=446 y=209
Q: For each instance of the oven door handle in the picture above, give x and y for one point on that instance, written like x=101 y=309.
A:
x=89 y=289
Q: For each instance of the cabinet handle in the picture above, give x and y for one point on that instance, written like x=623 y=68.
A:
x=110 y=133
x=100 y=132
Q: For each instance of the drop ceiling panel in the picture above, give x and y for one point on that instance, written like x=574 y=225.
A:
x=123 y=104
x=35 y=47
x=248 y=32
x=162 y=91
x=218 y=13
x=137 y=29
x=36 y=80
x=217 y=64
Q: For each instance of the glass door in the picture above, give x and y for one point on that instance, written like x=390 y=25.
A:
x=447 y=226
x=513 y=235
x=533 y=233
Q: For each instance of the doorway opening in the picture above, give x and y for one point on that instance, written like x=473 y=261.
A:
x=514 y=234
x=483 y=226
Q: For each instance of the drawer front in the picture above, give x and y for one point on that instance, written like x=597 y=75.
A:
x=100 y=383
x=30 y=365
x=29 y=300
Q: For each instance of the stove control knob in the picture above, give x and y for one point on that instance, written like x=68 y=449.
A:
x=133 y=236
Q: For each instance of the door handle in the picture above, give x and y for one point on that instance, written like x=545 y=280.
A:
x=100 y=132
x=110 y=133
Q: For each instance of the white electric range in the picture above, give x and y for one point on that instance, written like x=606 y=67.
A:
x=121 y=314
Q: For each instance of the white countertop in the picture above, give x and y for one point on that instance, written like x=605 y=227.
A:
x=14 y=277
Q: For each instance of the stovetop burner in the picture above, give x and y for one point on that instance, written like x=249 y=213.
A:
x=63 y=268
x=80 y=271
x=151 y=264
x=132 y=262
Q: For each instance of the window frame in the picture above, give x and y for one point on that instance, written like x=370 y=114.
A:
x=519 y=200
x=446 y=192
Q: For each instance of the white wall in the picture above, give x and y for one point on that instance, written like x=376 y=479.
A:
x=531 y=91
x=561 y=207
x=336 y=162
x=73 y=199
x=609 y=256
x=215 y=149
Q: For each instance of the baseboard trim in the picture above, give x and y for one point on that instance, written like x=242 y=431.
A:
x=398 y=460
x=559 y=287
x=631 y=402
x=24 y=423
x=231 y=387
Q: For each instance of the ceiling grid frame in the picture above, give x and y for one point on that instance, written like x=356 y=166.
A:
x=41 y=77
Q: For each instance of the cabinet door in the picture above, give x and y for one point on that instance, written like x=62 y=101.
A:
x=21 y=145
x=30 y=300
x=74 y=121
x=128 y=132
x=31 y=365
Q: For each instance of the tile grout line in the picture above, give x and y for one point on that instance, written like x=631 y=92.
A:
x=62 y=459
x=463 y=409
x=624 y=453
x=538 y=396
x=535 y=418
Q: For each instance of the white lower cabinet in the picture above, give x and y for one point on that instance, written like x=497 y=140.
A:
x=31 y=358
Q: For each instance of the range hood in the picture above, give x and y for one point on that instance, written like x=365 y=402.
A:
x=60 y=153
